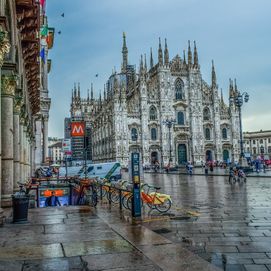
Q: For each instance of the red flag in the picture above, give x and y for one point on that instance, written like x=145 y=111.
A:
x=42 y=2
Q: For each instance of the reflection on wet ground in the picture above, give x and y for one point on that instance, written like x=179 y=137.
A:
x=233 y=229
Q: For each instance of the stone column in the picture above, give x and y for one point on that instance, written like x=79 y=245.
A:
x=21 y=149
x=7 y=97
x=16 y=143
x=4 y=49
x=38 y=150
x=45 y=138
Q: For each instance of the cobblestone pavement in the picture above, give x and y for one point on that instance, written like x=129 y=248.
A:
x=233 y=229
x=81 y=238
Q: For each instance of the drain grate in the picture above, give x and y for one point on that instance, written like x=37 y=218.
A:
x=163 y=230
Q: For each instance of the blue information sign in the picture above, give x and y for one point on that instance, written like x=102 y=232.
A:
x=135 y=169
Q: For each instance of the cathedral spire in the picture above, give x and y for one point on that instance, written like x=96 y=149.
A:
x=72 y=95
x=222 y=99
x=88 y=95
x=235 y=86
x=231 y=90
x=160 y=54
x=124 y=54
x=104 y=93
x=151 y=60
x=189 y=55
x=145 y=64
x=91 y=91
x=141 y=67
x=166 y=56
x=74 y=91
x=196 y=60
x=214 y=85
x=79 y=90
x=184 y=61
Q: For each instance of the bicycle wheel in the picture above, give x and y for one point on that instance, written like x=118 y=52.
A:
x=124 y=200
x=163 y=207
x=129 y=203
x=113 y=196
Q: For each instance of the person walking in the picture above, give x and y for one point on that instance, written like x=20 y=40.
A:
x=52 y=200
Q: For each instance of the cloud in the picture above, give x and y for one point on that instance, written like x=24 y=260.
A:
x=233 y=33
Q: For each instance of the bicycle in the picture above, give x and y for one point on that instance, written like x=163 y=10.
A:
x=161 y=202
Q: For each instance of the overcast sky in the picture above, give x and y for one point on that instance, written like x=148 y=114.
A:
x=236 y=34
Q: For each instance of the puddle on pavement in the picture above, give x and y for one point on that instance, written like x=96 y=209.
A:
x=162 y=230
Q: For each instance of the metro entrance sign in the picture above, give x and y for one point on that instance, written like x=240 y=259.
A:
x=78 y=129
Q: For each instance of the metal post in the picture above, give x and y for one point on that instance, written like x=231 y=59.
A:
x=241 y=134
x=169 y=135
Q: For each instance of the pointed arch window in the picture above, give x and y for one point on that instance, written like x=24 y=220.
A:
x=153 y=134
x=153 y=113
x=224 y=133
x=206 y=114
x=180 y=118
x=179 y=89
x=134 y=135
x=207 y=134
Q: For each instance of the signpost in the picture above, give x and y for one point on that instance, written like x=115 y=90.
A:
x=66 y=149
x=135 y=170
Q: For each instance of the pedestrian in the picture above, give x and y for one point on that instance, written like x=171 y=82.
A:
x=206 y=169
x=52 y=200
x=167 y=168
x=231 y=174
x=211 y=167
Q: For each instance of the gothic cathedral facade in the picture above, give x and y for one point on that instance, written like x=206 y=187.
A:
x=167 y=112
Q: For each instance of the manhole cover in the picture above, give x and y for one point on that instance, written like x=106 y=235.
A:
x=163 y=230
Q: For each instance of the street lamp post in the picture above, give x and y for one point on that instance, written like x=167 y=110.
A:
x=169 y=123
x=238 y=101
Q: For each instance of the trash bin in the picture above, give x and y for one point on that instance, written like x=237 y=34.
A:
x=20 y=207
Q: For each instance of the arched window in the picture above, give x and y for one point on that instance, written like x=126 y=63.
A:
x=134 y=134
x=206 y=114
x=224 y=133
x=180 y=118
x=262 y=149
x=269 y=149
x=153 y=134
x=254 y=150
x=153 y=113
x=207 y=134
x=179 y=92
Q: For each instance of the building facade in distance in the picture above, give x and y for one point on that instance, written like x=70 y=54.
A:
x=257 y=144
x=136 y=106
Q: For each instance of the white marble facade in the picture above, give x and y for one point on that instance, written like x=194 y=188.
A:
x=136 y=104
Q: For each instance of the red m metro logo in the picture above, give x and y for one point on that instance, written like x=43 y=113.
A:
x=78 y=129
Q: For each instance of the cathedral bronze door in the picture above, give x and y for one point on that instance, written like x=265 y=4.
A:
x=154 y=158
x=226 y=155
x=209 y=156
x=182 y=154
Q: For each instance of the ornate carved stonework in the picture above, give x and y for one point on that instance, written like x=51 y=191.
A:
x=8 y=85
x=18 y=102
x=4 y=46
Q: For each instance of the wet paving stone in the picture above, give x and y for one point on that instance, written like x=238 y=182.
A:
x=30 y=252
x=96 y=247
x=60 y=264
x=255 y=267
x=11 y=265
x=121 y=260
